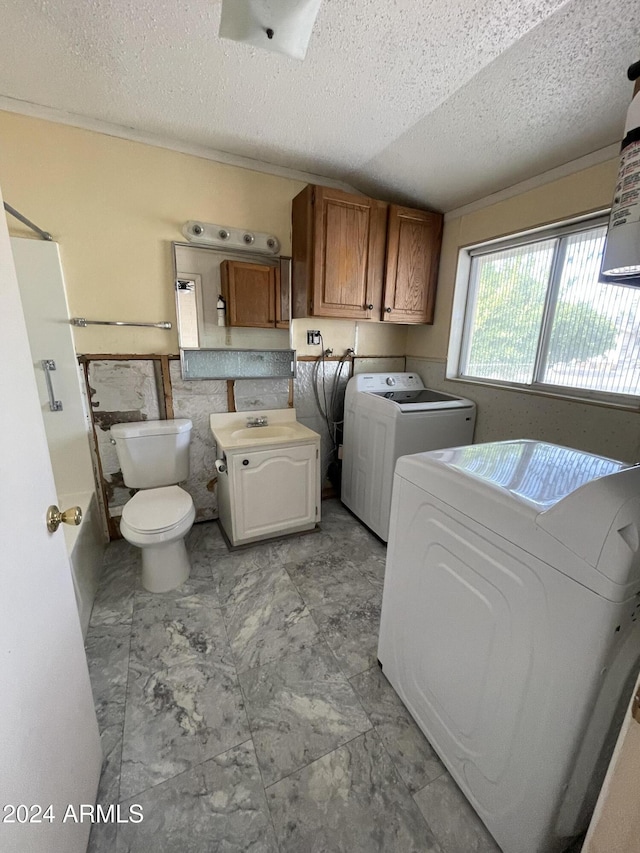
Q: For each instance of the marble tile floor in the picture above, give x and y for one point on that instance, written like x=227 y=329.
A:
x=245 y=711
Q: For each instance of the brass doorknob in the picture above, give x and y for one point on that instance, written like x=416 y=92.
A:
x=73 y=515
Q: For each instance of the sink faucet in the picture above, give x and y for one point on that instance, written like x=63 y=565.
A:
x=257 y=422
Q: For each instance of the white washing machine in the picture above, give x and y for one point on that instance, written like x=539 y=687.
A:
x=387 y=415
x=510 y=625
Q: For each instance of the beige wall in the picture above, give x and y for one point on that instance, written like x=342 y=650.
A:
x=366 y=337
x=583 y=192
x=116 y=206
x=505 y=415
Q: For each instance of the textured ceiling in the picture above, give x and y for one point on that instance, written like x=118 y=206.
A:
x=437 y=102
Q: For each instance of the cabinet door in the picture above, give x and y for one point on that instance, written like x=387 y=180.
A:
x=274 y=490
x=249 y=291
x=413 y=252
x=348 y=257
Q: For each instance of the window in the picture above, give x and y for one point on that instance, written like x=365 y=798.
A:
x=536 y=316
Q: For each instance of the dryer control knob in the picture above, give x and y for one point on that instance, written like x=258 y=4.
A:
x=391 y=380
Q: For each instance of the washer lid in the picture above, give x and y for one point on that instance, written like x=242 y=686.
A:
x=423 y=400
x=534 y=473
x=522 y=489
x=404 y=391
x=157 y=510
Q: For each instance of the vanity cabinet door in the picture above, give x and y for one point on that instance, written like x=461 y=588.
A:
x=249 y=291
x=274 y=490
x=413 y=252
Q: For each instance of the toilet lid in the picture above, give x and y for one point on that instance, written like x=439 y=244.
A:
x=157 y=510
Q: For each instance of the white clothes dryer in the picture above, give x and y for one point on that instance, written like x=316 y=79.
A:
x=388 y=415
x=511 y=625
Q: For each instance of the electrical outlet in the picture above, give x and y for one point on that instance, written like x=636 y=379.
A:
x=313 y=338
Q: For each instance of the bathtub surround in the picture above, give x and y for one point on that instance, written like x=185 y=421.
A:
x=44 y=303
x=226 y=714
x=85 y=546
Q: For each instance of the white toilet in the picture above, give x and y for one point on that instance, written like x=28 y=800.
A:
x=154 y=456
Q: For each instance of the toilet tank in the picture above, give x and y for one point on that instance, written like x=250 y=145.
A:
x=153 y=453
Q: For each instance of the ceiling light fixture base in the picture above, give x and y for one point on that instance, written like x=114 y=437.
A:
x=282 y=26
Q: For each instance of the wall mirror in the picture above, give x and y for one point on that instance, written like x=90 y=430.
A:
x=229 y=299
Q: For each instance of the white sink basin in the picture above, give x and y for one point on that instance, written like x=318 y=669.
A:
x=230 y=430
x=277 y=431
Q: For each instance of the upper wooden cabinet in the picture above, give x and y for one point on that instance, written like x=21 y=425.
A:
x=253 y=295
x=411 y=272
x=362 y=259
x=338 y=254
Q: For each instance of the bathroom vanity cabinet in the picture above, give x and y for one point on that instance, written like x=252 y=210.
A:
x=268 y=478
x=269 y=492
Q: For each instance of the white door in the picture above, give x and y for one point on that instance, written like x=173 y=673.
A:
x=49 y=744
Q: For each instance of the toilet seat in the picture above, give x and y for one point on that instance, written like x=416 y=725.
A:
x=157 y=511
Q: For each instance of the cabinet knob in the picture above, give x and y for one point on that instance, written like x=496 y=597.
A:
x=370 y=306
x=245 y=461
x=388 y=310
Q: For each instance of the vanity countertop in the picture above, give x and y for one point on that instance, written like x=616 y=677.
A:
x=230 y=429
